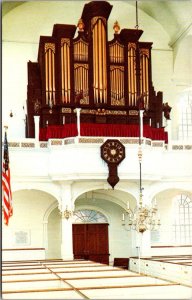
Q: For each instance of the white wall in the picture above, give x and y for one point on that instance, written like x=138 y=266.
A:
x=54 y=235
x=29 y=207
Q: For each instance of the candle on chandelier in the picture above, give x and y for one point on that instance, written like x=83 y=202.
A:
x=154 y=202
x=128 y=204
x=123 y=217
x=63 y=120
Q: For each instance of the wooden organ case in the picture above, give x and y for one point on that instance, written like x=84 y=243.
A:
x=106 y=79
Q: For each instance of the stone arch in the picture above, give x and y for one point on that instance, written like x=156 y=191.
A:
x=131 y=195
x=50 y=189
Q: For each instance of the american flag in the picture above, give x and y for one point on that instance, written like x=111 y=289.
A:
x=6 y=184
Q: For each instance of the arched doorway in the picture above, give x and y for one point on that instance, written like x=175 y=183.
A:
x=90 y=236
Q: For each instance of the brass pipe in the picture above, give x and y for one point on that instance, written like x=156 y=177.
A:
x=68 y=74
x=96 y=65
x=50 y=87
x=144 y=75
x=94 y=69
x=104 y=65
x=132 y=77
x=141 y=77
x=147 y=81
x=65 y=71
x=118 y=53
x=100 y=61
x=95 y=50
x=62 y=88
x=114 y=84
x=111 y=79
x=117 y=83
x=121 y=85
x=46 y=77
x=53 y=57
x=135 y=81
x=79 y=51
x=81 y=82
x=129 y=80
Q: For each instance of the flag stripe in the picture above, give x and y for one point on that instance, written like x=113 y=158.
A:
x=6 y=184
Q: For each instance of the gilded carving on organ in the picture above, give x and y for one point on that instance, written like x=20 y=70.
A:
x=131 y=45
x=50 y=46
x=116 y=27
x=95 y=19
x=65 y=41
x=81 y=25
x=144 y=52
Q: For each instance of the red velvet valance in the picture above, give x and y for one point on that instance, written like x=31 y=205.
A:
x=111 y=130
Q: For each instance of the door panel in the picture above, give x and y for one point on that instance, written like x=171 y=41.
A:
x=79 y=240
x=90 y=241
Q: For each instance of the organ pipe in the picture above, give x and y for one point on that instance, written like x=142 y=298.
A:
x=99 y=60
x=65 y=70
x=117 y=85
x=116 y=53
x=144 y=80
x=132 y=81
x=81 y=81
x=81 y=51
x=50 y=73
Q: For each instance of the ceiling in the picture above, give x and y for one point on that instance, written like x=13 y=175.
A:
x=175 y=16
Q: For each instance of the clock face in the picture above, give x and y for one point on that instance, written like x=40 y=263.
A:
x=112 y=151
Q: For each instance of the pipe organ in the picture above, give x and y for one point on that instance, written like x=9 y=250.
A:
x=106 y=79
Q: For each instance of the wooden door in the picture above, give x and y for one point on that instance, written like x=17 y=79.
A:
x=90 y=242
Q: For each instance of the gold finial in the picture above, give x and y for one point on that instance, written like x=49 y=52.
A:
x=81 y=25
x=116 y=27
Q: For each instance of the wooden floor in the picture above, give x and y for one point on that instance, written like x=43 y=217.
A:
x=79 y=279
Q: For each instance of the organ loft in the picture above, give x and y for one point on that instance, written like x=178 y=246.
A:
x=108 y=80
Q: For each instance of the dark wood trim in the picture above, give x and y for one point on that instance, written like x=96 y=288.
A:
x=37 y=291
x=21 y=269
x=18 y=249
x=32 y=273
x=126 y=286
x=179 y=246
x=69 y=278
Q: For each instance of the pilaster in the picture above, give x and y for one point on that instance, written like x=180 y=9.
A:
x=66 y=209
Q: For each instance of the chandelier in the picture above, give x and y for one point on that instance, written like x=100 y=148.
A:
x=143 y=217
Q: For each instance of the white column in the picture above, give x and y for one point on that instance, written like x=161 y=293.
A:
x=145 y=246
x=36 y=120
x=78 y=120
x=66 y=224
x=169 y=131
x=45 y=238
x=141 y=121
x=67 y=239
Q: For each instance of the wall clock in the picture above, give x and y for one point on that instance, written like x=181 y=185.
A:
x=113 y=152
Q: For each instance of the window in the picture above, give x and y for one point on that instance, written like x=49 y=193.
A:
x=185 y=116
x=183 y=219
x=88 y=216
